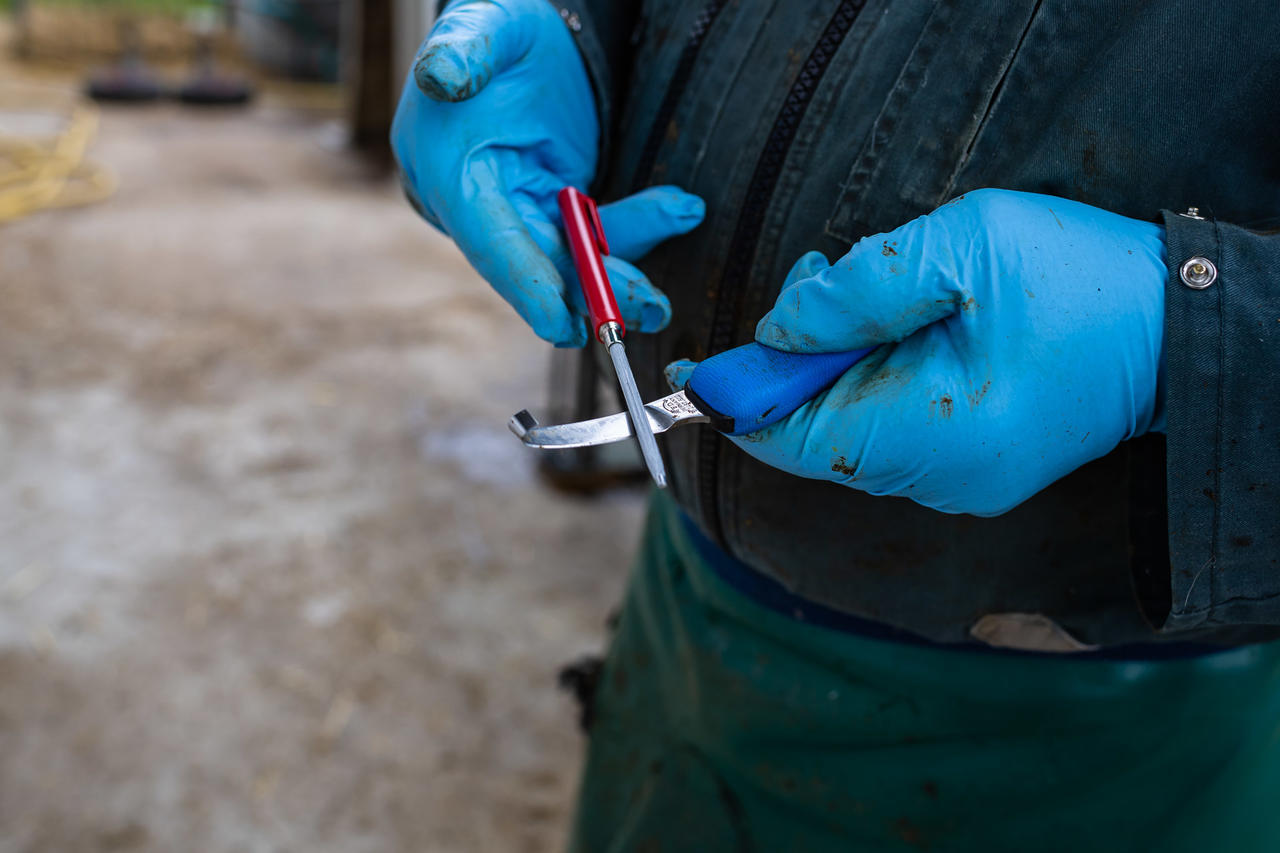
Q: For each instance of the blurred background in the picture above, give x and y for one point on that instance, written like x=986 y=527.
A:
x=273 y=573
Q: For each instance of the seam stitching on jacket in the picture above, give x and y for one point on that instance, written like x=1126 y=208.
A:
x=879 y=137
x=990 y=105
x=1235 y=599
x=1215 y=538
x=727 y=292
x=675 y=90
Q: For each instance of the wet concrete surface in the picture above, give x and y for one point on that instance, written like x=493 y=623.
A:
x=274 y=575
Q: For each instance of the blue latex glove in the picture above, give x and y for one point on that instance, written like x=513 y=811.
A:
x=497 y=117
x=1024 y=337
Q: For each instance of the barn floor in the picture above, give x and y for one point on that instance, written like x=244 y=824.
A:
x=275 y=576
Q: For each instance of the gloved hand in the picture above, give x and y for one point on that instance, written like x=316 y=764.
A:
x=497 y=118
x=1024 y=337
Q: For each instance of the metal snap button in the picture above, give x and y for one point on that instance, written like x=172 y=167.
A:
x=1198 y=273
x=572 y=19
x=1192 y=213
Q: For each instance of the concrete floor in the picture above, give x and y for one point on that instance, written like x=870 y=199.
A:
x=274 y=574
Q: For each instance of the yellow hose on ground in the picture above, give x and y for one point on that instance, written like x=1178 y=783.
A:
x=43 y=171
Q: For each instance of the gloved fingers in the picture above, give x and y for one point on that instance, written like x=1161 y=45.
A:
x=471 y=42
x=787 y=444
x=782 y=445
x=497 y=241
x=817 y=440
x=678 y=372
x=636 y=224
x=884 y=289
x=644 y=308
x=834 y=435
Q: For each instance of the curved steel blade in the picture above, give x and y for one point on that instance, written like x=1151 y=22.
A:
x=663 y=414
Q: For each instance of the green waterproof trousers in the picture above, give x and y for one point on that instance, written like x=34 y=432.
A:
x=721 y=724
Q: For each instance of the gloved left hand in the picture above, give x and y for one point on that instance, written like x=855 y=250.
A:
x=1024 y=338
x=496 y=118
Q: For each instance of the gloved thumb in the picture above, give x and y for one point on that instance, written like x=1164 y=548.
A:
x=809 y=264
x=471 y=42
x=636 y=224
x=884 y=289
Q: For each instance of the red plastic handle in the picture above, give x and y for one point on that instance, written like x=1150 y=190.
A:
x=587 y=243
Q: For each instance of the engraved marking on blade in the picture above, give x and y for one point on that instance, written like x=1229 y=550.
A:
x=662 y=414
x=679 y=405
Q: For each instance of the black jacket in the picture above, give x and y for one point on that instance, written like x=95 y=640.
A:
x=807 y=124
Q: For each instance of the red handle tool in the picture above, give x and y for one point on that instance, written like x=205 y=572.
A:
x=586 y=240
x=588 y=245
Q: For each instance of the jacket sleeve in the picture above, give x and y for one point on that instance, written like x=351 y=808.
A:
x=1222 y=386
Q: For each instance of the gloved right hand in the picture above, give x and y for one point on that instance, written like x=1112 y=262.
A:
x=497 y=117
x=1022 y=337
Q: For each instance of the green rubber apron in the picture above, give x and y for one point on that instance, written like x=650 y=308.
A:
x=722 y=724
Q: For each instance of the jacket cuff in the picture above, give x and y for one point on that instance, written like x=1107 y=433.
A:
x=1222 y=346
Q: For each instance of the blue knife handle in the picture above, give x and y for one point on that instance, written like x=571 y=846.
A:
x=750 y=387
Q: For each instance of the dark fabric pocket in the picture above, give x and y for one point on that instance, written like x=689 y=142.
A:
x=932 y=115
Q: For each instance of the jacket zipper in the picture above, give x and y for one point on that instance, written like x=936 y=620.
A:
x=728 y=295
x=675 y=89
